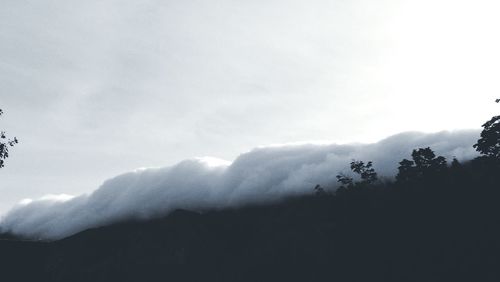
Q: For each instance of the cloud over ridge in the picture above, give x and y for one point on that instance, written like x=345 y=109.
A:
x=263 y=174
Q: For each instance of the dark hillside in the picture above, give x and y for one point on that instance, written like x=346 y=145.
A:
x=442 y=227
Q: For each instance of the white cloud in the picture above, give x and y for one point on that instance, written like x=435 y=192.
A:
x=263 y=174
x=121 y=83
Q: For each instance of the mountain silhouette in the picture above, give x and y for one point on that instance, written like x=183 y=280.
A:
x=441 y=228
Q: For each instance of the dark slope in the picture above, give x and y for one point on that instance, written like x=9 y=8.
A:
x=21 y=260
x=444 y=228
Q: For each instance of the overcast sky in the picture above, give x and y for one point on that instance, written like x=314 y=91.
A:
x=95 y=88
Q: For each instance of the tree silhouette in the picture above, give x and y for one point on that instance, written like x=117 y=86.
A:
x=406 y=170
x=425 y=160
x=455 y=166
x=345 y=180
x=365 y=171
x=425 y=163
x=5 y=143
x=489 y=143
x=319 y=191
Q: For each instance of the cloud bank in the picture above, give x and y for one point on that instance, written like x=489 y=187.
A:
x=263 y=174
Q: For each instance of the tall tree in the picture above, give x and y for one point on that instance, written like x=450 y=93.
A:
x=489 y=143
x=5 y=143
x=425 y=163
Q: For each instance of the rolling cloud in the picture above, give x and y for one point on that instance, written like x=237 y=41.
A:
x=263 y=174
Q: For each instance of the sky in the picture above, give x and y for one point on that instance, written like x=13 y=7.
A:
x=93 y=89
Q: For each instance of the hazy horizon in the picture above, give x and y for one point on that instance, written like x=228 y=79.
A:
x=261 y=175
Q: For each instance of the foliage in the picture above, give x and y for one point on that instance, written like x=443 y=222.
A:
x=345 y=181
x=425 y=163
x=366 y=173
x=489 y=143
x=5 y=143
